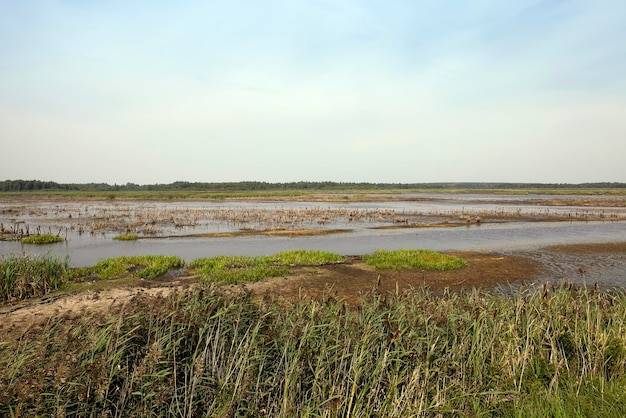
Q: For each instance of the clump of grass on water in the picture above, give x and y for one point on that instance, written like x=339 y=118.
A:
x=23 y=276
x=126 y=237
x=422 y=259
x=41 y=239
x=207 y=352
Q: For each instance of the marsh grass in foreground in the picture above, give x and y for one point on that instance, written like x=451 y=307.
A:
x=422 y=259
x=23 y=276
x=41 y=239
x=206 y=352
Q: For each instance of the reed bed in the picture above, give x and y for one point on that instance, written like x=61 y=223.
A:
x=208 y=352
x=23 y=276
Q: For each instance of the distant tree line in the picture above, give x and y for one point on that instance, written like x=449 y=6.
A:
x=37 y=185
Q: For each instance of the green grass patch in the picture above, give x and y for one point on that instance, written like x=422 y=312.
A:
x=144 y=266
x=23 y=276
x=41 y=239
x=240 y=269
x=306 y=258
x=407 y=259
x=126 y=237
x=237 y=269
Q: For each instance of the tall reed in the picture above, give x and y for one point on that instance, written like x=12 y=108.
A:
x=24 y=275
x=206 y=352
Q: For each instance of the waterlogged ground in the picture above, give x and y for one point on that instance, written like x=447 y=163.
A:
x=508 y=242
x=349 y=281
x=524 y=227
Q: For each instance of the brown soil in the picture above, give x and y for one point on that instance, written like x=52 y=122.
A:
x=351 y=280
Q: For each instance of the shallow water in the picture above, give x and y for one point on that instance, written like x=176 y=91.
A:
x=490 y=237
x=526 y=238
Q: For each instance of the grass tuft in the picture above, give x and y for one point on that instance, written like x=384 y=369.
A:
x=306 y=258
x=126 y=237
x=144 y=266
x=41 y=239
x=236 y=269
x=240 y=269
x=406 y=259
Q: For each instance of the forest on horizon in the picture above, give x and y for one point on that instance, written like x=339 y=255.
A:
x=38 y=185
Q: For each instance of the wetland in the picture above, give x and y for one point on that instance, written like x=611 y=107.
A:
x=520 y=226
x=297 y=307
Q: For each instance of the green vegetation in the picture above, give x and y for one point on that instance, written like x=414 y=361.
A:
x=239 y=269
x=306 y=258
x=236 y=269
x=24 y=276
x=126 y=237
x=144 y=266
x=41 y=239
x=27 y=276
x=202 y=190
x=209 y=352
x=421 y=259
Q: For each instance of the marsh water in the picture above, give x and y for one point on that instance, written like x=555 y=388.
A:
x=89 y=227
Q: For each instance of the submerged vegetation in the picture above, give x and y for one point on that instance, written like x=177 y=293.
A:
x=208 y=352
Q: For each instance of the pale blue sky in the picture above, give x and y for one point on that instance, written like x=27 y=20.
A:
x=375 y=91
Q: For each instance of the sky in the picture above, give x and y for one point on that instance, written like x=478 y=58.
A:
x=389 y=91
